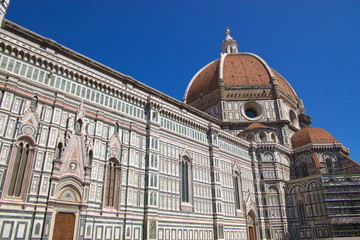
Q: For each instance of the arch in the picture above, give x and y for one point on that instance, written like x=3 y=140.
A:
x=293 y=119
x=69 y=194
x=301 y=211
x=58 y=150
x=329 y=166
x=286 y=160
x=112 y=180
x=301 y=166
x=250 y=137
x=273 y=189
x=251 y=225
x=70 y=182
x=78 y=126
x=262 y=137
x=238 y=190
x=304 y=172
x=21 y=162
x=27 y=138
x=34 y=103
x=37 y=228
x=90 y=158
x=186 y=179
x=273 y=137
x=329 y=160
x=297 y=189
x=268 y=156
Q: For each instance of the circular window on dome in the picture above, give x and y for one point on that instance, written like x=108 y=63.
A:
x=252 y=111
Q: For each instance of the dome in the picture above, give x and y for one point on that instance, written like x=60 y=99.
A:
x=311 y=135
x=255 y=125
x=235 y=70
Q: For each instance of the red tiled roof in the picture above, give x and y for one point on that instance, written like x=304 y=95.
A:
x=255 y=125
x=311 y=135
x=206 y=81
x=240 y=69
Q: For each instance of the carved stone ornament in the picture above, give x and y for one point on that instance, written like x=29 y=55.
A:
x=28 y=130
x=73 y=166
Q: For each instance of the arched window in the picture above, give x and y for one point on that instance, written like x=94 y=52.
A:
x=78 y=126
x=185 y=180
x=302 y=170
x=89 y=158
x=301 y=213
x=58 y=150
x=268 y=157
x=152 y=229
x=273 y=138
x=293 y=118
x=34 y=103
x=117 y=128
x=237 y=191
x=262 y=137
x=112 y=178
x=18 y=172
x=329 y=166
x=250 y=137
x=37 y=228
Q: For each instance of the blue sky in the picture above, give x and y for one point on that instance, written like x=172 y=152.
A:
x=315 y=44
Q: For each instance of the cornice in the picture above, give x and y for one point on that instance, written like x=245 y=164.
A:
x=234 y=139
x=312 y=147
x=272 y=146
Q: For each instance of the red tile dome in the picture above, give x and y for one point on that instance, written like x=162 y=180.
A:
x=232 y=70
x=311 y=135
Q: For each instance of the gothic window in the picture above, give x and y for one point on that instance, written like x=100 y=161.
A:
x=220 y=231
x=153 y=199
x=293 y=118
x=268 y=157
x=37 y=229
x=273 y=138
x=17 y=176
x=58 y=150
x=250 y=137
x=302 y=170
x=301 y=213
x=34 y=102
x=237 y=191
x=185 y=179
x=329 y=166
x=262 y=137
x=154 y=161
x=78 y=126
x=152 y=230
x=89 y=158
x=111 y=186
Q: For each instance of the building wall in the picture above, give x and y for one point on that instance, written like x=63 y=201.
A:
x=82 y=121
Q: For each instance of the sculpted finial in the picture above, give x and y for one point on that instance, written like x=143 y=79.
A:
x=227 y=31
x=229 y=44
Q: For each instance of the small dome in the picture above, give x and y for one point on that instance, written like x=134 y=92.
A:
x=311 y=135
x=255 y=125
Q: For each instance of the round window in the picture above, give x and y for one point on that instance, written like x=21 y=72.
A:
x=252 y=111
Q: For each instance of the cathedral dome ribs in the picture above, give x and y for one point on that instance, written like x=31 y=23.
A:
x=242 y=76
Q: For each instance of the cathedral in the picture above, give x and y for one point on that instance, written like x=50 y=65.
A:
x=87 y=152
